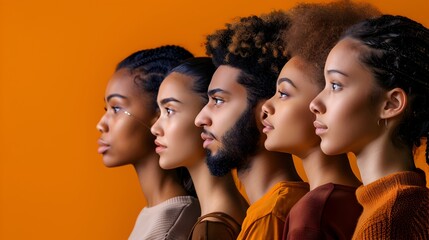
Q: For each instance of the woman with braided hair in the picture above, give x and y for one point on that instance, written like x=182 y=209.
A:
x=131 y=109
x=376 y=104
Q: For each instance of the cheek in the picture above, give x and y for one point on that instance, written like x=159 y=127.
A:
x=350 y=126
x=184 y=144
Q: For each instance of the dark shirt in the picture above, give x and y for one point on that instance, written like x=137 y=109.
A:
x=330 y=211
x=224 y=227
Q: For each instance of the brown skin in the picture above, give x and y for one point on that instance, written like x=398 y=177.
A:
x=353 y=121
x=289 y=126
x=180 y=145
x=220 y=114
x=127 y=140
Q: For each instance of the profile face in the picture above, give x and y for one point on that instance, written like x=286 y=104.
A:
x=288 y=120
x=346 y=109
x=125 y=139
x=230 y=130
x=227 y=102
x=178 y=140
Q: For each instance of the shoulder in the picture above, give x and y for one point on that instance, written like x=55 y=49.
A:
x=215 y=227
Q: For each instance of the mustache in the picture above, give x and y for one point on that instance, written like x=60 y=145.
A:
x=209 y=134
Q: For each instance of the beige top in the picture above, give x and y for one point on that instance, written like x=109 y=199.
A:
x=171 y=219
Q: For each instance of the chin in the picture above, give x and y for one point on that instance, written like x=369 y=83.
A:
x=329 y=149
x=112 y=163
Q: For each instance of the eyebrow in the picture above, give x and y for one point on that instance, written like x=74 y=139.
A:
x=167 y=100
x=216 y=90
x=285 y=80
x=336 y=71
x=115 y=95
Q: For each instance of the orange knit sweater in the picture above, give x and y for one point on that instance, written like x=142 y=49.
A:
x=394 y=207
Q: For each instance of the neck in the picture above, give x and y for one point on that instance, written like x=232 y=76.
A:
x=265 y=170
x=217 y=194
x=156 y=183
x=322 y=169
x=381 y=158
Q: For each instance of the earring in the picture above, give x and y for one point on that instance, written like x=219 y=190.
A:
x=385 y=122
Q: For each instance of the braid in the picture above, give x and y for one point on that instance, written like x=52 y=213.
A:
x=398 y=55
x=150 y=66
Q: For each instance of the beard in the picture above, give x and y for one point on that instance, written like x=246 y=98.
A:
x=239 y=143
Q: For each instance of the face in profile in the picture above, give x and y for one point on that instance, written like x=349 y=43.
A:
x=125 y=138
x=229 y=127
x=178 y=140
x=346 y=109
x=288 y=120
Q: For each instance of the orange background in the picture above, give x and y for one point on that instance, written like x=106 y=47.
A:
x=55 y=60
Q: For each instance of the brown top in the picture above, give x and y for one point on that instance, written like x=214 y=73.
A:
x=223 y=227
x=329 y=211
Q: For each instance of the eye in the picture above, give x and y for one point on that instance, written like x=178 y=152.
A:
x=336 y=86
x=282 y=94
x=116 y=109
x=169 y=111
x=218 y=101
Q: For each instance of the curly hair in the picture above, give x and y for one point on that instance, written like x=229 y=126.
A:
x=150 y=66
x=254 y=45
x=397 y=52
x=316 y=28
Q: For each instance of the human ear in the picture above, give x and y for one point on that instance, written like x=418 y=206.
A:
x=395 y=103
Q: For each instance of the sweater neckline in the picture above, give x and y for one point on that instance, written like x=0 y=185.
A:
x=173 y=200
x=373 y=192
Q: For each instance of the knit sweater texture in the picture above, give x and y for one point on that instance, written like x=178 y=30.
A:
x=394 y=207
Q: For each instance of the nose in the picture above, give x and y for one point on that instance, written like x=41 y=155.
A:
x=202 y=119
x=317 y=106
x=267 y=108
x=102 y=125
x=156 y=128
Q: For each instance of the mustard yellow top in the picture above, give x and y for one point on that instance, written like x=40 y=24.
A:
x=265 y=218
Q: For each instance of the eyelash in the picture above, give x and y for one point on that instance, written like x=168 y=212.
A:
x=282 y=94
x=217 y=101
x=336 y=86
x=115 y=109
x=169 y=111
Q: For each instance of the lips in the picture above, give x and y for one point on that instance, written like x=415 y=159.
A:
x=159 y=147
x=207 y=137
x=103 y=147
x=267 y=126
x=320 y=127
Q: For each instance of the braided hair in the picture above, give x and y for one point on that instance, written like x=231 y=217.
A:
x=150 y=66
x=398 y=54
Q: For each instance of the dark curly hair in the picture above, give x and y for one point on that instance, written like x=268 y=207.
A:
x=150 y=66
x=254 y=45
x=317 y=27
x=397 y=52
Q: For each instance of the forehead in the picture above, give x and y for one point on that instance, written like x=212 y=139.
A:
x=225 y=78
x=122 y=82
x=296 y=68
x=344 y=55
x=176 y=85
